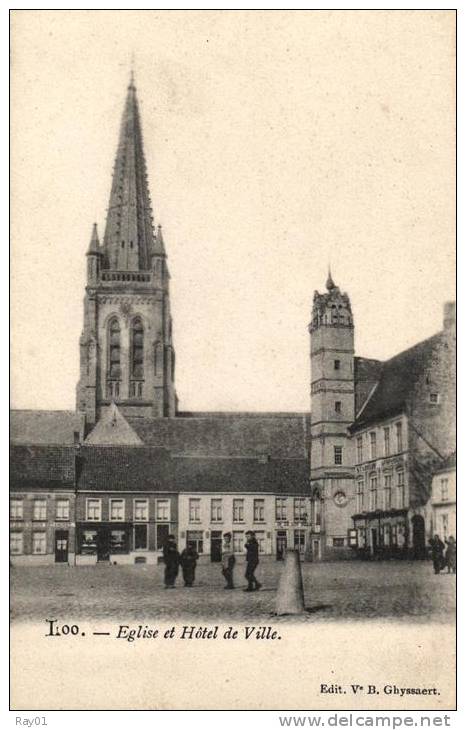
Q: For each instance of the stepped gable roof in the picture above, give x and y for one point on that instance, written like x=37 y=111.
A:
x=44 y=427
x=120 y=468
x=42 y=467
x=281 y=435
x=396 y=382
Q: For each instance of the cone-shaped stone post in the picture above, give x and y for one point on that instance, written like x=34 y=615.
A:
x=290 y=593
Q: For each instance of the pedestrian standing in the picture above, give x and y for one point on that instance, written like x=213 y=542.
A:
x=188 y=562
x=252 y=561
x=171 y=558
x=228 y=561
x=451 y=554
x=437 y=548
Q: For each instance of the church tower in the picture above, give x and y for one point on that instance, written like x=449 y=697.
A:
x=332 y=411
x=126 y=346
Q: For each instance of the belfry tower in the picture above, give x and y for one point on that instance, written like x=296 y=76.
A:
x=332 y=411
x=126 y=346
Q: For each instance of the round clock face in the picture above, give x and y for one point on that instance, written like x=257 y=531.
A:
x=340 y=499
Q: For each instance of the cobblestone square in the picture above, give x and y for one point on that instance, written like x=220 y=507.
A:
x=392 y=590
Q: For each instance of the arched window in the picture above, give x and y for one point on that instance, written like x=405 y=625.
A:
x=137 y=358
x=114 y=358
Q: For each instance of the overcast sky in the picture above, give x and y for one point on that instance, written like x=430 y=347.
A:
x=275 y=143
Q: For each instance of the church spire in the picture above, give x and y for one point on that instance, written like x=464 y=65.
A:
x=129 y=235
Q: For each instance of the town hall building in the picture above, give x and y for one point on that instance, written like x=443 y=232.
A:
x=109 y=481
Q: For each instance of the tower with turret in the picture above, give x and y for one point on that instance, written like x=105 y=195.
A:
x=126 y=346
x=332 y=411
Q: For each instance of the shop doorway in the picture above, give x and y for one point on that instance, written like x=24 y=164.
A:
x=374 y=545
x=103 y=544
x=216 y=546
x=61 y=546
x=419 y=537
x=281 y=544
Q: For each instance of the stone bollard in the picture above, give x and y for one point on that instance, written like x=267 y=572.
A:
x=290 y=593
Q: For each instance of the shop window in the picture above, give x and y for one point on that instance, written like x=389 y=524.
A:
x=39 y=543
x=16 y=509
x=118 y=541
x=88 y=542
x=63 y=509
x=16 y=543
x=195 y=537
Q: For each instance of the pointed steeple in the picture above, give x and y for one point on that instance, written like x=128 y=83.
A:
x=330 y=283
x=129 y=235
x=159 y=246
x=113 y=430
x=94 y=245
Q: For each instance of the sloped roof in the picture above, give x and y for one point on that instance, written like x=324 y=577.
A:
x=233 y=434
x=119 y=468
x=147 y=469
x=42 y=466
x=44 y=427
x=447 y=464
x=396 y=382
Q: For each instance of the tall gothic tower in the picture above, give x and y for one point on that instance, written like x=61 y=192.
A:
x=126 y=346
x=332 y=411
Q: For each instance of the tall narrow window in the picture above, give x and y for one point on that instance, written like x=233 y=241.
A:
x=137 y=358
x=114 y=359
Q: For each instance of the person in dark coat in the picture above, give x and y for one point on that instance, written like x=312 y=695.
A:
x=437 y=548
x=450 y=554
x=252 y=561
x=188 y=560
x=171 y=558
x=228 y=561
